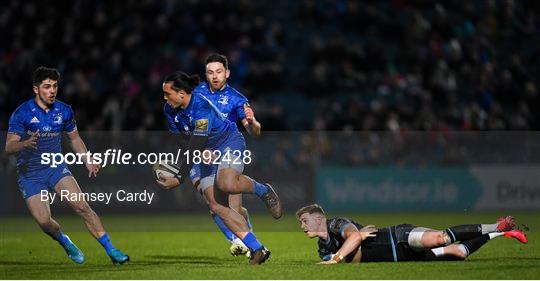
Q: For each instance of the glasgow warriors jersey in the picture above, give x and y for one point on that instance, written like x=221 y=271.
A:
x=378 y=248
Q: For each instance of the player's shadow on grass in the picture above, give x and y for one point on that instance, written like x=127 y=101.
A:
x=160 y=259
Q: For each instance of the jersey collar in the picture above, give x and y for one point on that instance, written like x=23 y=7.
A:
x=220 y=90
x=34 y=104
x=190 y=104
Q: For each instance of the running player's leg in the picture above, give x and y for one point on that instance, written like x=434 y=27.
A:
x=208 y=173
x=235 y=202
x=41 y=213
x=231 y=180
x=237 y=246
x=236 y=223
x=31 y=186
x=69 y=185
x=92 y=221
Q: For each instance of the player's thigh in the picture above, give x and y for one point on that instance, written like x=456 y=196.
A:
x=69 y=186
x=434 y=238
x=229 y=168
x=39 y=209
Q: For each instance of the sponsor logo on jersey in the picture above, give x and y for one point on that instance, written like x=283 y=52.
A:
x=65 y=171
x=201 y=125
x=176 y=119
x=47 y=128
x=34 y=120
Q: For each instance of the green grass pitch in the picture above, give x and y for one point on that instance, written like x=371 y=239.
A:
x=187 y=246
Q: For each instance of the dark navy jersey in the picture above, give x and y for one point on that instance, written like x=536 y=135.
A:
x=378 y=248
x=200 y=118
x=28 y=118
x=335 y=240
x=228 y=101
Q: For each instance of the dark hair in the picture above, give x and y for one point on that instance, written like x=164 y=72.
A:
x=215 y=57
x=182 y=81
x=311 y=209
x=44 y=73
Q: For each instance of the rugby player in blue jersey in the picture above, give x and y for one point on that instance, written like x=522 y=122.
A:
x=36 y=127
x=206 y=128
x=235 y=107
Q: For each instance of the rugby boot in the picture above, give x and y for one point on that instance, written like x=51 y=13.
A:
x=74 y=253
x=117 y=257
x=518 y=235
x=259 y=256
x=272 y=202
x=238 y=248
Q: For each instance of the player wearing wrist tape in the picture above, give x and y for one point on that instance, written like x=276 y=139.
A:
x=192 y=114
x=344 y=240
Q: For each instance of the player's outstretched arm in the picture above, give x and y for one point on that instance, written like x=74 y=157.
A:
x=78 y=146
x=353 y=239
x=14 y=143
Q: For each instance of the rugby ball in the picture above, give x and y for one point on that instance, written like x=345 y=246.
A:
x=165 y=170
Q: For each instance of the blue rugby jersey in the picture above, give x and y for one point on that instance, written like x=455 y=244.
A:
x=28 y=118
x=228 y=100
x=200 y=118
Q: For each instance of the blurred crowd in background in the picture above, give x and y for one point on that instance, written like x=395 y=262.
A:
x=305 y=65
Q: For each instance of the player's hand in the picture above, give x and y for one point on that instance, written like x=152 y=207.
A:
x=32 y=141
x=250 y=116
x=328 y=262
x=93 y=169
x=168 y=182
x=368 y=231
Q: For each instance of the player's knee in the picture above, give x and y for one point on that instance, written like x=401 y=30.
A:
x=438 y=239
x=227 y=185
x=433 y=239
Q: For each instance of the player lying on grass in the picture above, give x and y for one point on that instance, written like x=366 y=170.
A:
x=36 y=127
x=344 y=240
